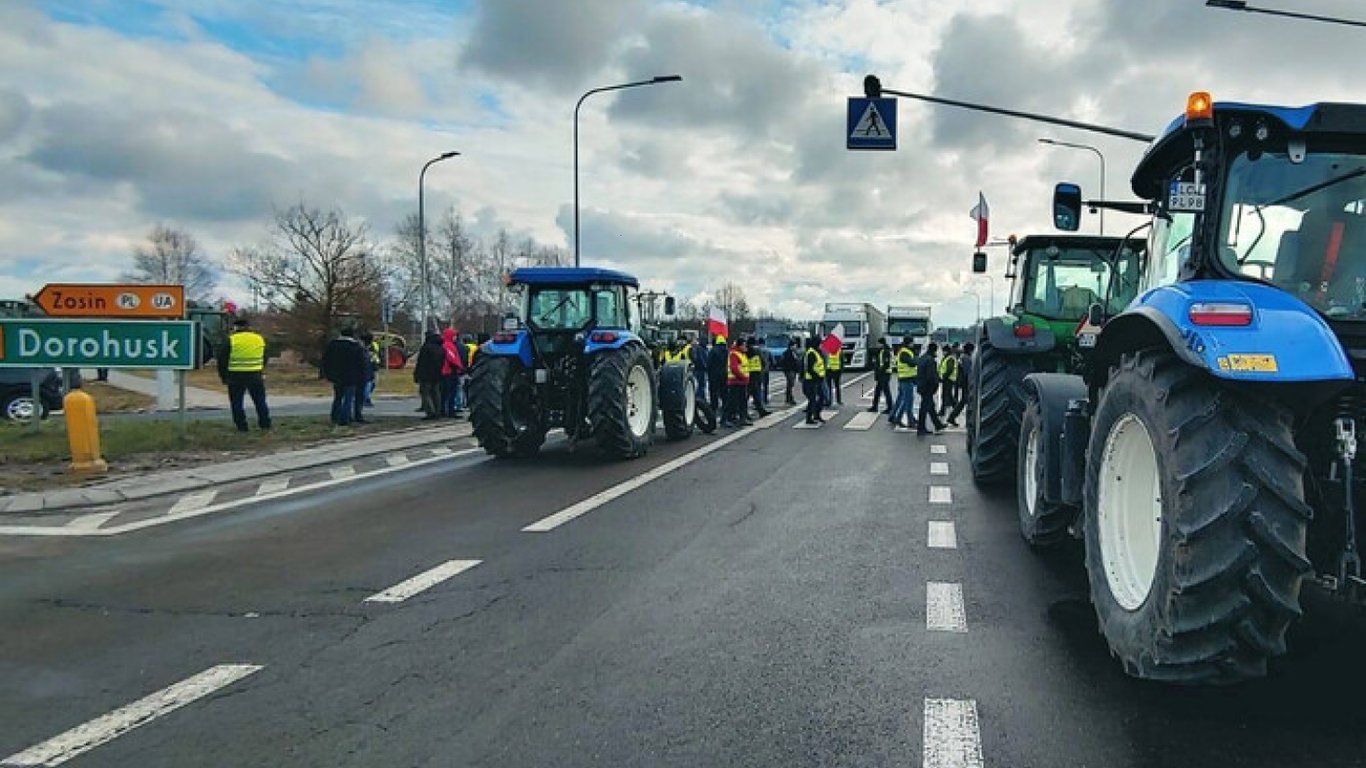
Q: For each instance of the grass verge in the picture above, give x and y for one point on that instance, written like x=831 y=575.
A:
x=300 y=380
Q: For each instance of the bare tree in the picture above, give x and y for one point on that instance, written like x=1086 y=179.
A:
x=172 y=257
x=731 y=299
x=320 y=266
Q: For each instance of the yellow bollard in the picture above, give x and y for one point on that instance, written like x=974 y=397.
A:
x=83 y=432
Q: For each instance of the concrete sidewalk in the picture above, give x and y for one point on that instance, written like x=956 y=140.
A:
x=151 y=485
x=198 y=398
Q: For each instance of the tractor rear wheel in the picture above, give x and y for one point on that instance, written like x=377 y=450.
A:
x=678 y=399
x=1195 y=523
x=994 y=413
x=706 y=417
x=503 y=409
x=1041 y=522
x=622 y=401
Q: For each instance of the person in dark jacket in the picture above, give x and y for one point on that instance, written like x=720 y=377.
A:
x=883 y=365
x=698 y=354
x=927 y=383
x=362 y=398
x=758 y=374
x=427 y=374
x=791 y=365
x=716 y=372
x=964 y=374
x=343 y=364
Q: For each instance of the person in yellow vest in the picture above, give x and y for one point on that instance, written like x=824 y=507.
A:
x=833 y=372
x=240 y=368
x=737 y=385
x=948 y=380
x=905 y=383
x=813 y=381
x=757 y=374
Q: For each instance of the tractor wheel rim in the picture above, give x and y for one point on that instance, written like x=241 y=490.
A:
x=1129 y=506
x=1031 y=470
x=20 y=409
x=638 y=405
x=690 y=402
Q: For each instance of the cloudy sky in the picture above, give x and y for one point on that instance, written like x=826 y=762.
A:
x=203 y=114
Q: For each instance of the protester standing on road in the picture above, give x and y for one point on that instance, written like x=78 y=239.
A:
x=758 y=373
x=717 y=365
x=948 y=379
x=451 y=371
x=964 y=376
x=343 y=364
x=427 y=374
x=927 y=383
x=883 y=366
x=362 y=397
x=241 y=370
x=791 y=365
x=833 y=368
x=905 y=384
x=698 y=354
x=737 y=386
x=813 y=381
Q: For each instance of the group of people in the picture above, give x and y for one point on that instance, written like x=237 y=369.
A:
x=442 y=373
x=922 y=375
x=349 y=363
x=731 y=377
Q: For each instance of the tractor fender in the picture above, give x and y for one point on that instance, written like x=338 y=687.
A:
x=1003 y=338
x=1053 y=392
x=519 y=347
x=1286 y=341
x=673 y=386
x=599 y=340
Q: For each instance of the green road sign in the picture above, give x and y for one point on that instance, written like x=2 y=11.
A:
x=33 y=342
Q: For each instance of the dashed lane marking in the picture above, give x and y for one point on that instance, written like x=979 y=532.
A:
x=941 y=494
x=440 y=451
x=422 y=582
x=342 y=472
x=90 y=522
x=944 y=607
x=939 y=467
x=942 y=535
x=804 y=425
x=101 y=730
x=952 y=734
x=862 y=421
x=192 y=501
x=273 y=485
x=396 y=459
x=23 y=530
x=939 y=449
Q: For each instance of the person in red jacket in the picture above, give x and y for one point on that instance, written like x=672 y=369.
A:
x=737 y=386
x=452 y=368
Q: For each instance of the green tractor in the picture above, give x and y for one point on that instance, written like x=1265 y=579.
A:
x=1054 y=280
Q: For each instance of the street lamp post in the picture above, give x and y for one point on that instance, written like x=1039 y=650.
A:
x=977 y=296
x=991 y=300
x=1241 y=5
x=422 y=235
x=637 y=84
x=1056 y=143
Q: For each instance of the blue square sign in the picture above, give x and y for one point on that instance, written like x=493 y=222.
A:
x=872 y=123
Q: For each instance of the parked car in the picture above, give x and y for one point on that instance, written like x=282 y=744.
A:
x=16 y=394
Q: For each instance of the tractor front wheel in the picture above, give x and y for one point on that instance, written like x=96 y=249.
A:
x=1195 y=523
x=1041 y=522
x=503 y=409
x=622 y=401
x=678 y=400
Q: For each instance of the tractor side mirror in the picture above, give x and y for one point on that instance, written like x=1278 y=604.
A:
x=979 y=262
x=1067 y=207
x=669 y=306
x=1095 y=315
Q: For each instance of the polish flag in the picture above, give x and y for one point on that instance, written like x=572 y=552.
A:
x=980 y=214
x=834 y=341
x=716 y=323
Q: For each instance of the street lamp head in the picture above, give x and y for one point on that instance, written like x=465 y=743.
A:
x=1234 y=5
x=668 y=79
x=449 y=155
x=1047 y=141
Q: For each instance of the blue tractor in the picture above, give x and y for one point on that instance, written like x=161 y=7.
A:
x=1207 y=457
x=575 y=359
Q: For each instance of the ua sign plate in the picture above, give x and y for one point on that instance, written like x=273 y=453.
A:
x=31 y=342
x=871 y=124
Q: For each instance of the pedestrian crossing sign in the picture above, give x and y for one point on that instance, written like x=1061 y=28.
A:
x=872 y=124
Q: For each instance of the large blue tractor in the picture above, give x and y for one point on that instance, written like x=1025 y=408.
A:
x=1208 y=456
x=575 y=359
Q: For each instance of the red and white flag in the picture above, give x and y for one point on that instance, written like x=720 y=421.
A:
x=980 y=213
x=716 y=323
x=834 y=341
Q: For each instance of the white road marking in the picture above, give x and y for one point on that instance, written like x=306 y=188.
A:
x=422 y=582
x=941 y=494
x=591 y=503
x=862 y=421
x=943 y=535
x=904 y=430
x=192 y=501
x=90 y=522
x=24 y=530
x=273 y=485
x=939 y=467
x=342 y=472
x=944 y=607
x=441 y=450
x=396 y=459
x=952 y=735
x=804 y=425
x=939 y=449
x=85 y=737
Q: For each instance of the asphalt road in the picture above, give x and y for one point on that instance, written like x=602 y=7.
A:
x=767 y=604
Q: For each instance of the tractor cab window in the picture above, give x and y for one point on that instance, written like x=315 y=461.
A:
x=609 y=308
x=1171 y=246
x=1300 y=226
x=558 y=309
x=1064 y=282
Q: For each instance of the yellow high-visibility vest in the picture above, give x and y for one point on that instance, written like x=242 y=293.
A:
x=736 y=356
x=948 y=368
x=905 y=364
x=819 y=365
x=470 y=349
x=835 y=361
x=247 y=352
x=753 y=364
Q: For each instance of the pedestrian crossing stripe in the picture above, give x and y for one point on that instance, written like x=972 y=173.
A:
x=804 y=425
x=871 y=125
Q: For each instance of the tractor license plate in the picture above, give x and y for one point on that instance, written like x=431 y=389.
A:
x=1086 y=340
x=1186 y=197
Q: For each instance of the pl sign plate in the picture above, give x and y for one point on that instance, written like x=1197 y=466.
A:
x=40 y=343
x=871 y=124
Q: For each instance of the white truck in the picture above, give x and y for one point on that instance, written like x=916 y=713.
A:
x=910 y=320
x=863 y=325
